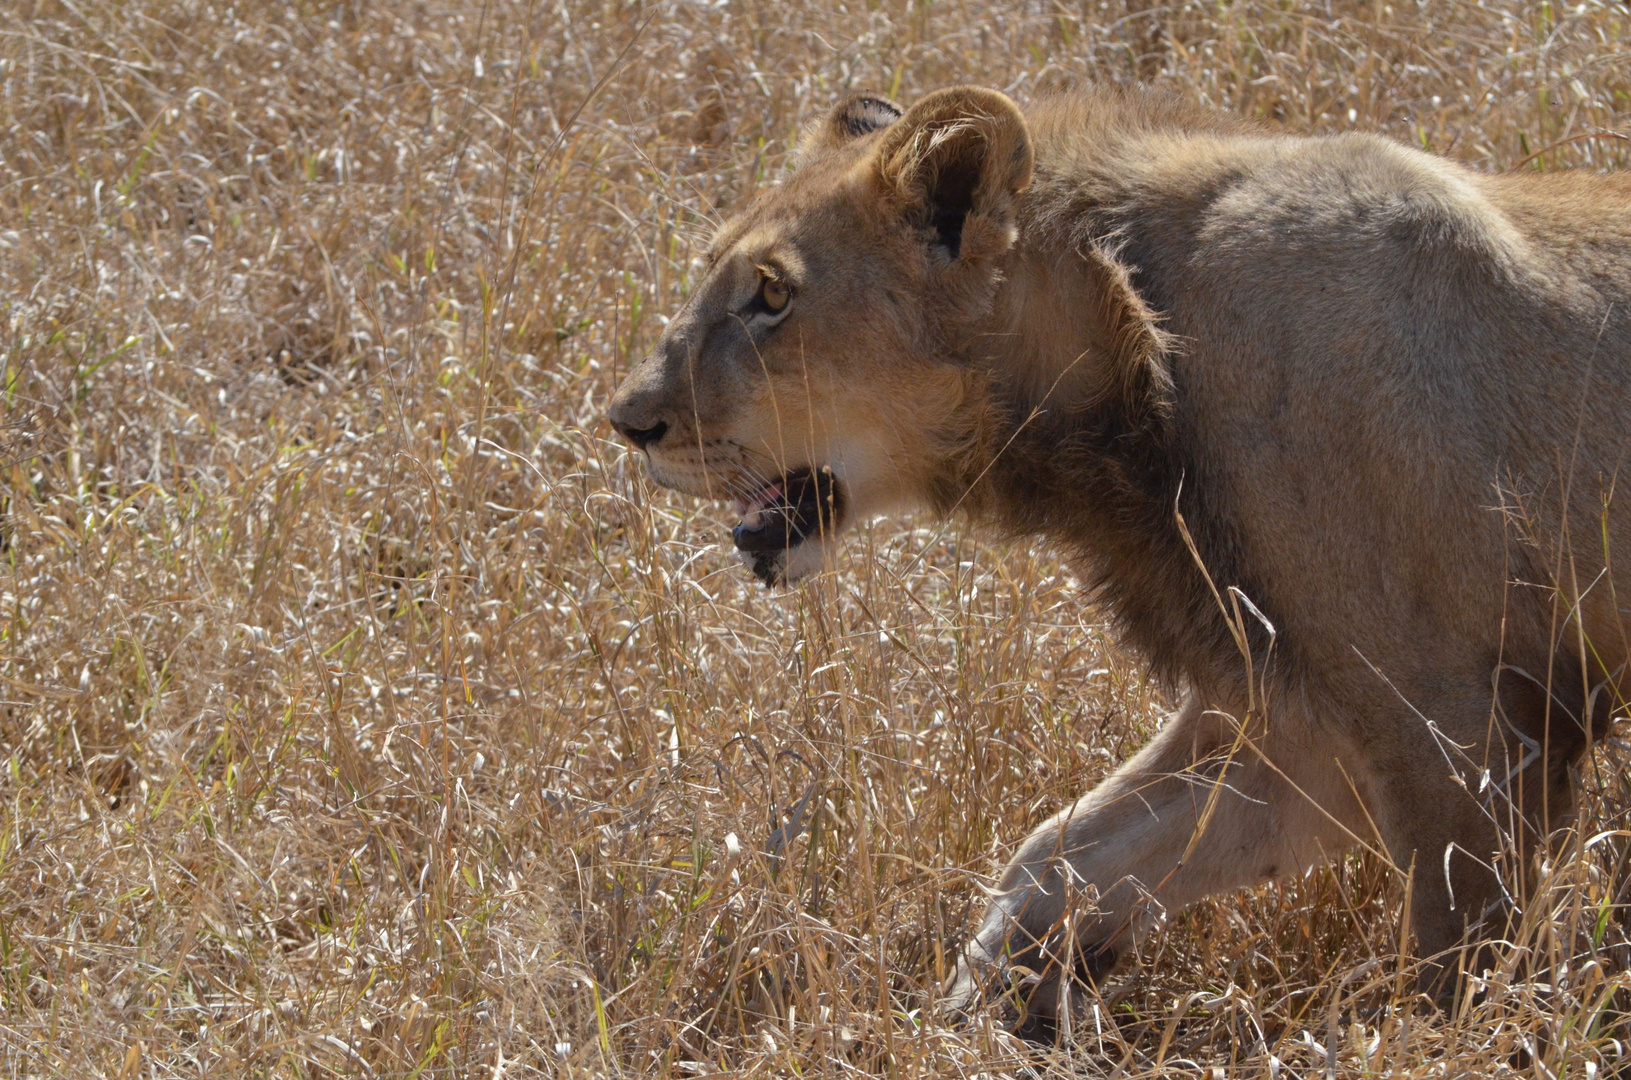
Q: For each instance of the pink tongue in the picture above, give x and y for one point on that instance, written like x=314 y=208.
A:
x=763 y=499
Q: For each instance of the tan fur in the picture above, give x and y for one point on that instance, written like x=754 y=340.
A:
x=1332 y=426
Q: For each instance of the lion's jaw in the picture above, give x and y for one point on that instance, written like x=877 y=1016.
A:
x=790 y=511
x=771 y=455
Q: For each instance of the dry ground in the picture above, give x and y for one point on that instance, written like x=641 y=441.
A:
x=363 y=714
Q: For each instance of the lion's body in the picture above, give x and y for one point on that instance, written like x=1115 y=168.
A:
x=1382 y=396
x=1367 y=341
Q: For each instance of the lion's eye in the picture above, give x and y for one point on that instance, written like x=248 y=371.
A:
x=774 y=295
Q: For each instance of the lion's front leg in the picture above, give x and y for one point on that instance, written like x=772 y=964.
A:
x=1193 y=813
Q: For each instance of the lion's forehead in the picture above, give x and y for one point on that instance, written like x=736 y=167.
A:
x=817 y=208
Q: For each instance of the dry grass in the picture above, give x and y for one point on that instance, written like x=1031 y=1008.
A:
x=363 y=714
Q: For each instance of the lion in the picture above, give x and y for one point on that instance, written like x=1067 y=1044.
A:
x=1329 y=426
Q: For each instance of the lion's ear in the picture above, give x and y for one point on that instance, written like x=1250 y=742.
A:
x=855 y=116
x=957 y=162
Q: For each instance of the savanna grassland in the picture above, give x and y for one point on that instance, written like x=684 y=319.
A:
x=364 y=713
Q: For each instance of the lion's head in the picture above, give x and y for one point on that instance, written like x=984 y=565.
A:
x=816 y=376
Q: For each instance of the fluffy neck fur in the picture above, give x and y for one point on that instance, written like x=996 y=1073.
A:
x=1076 y=431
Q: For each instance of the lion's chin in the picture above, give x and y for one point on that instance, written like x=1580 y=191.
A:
x=787 y=566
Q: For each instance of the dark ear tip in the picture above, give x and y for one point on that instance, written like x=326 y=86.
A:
x=863 y=114
x=855 y=116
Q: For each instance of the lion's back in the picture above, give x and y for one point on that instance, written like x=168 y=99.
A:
x=1377 y=347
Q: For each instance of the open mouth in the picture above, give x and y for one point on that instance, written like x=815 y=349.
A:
x=786 y=512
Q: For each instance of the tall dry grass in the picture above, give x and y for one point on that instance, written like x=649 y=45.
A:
x=364 y=714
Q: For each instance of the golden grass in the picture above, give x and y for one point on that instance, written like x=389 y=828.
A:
x=363 y=712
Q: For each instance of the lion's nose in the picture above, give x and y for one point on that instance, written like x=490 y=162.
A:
x=641 y=437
